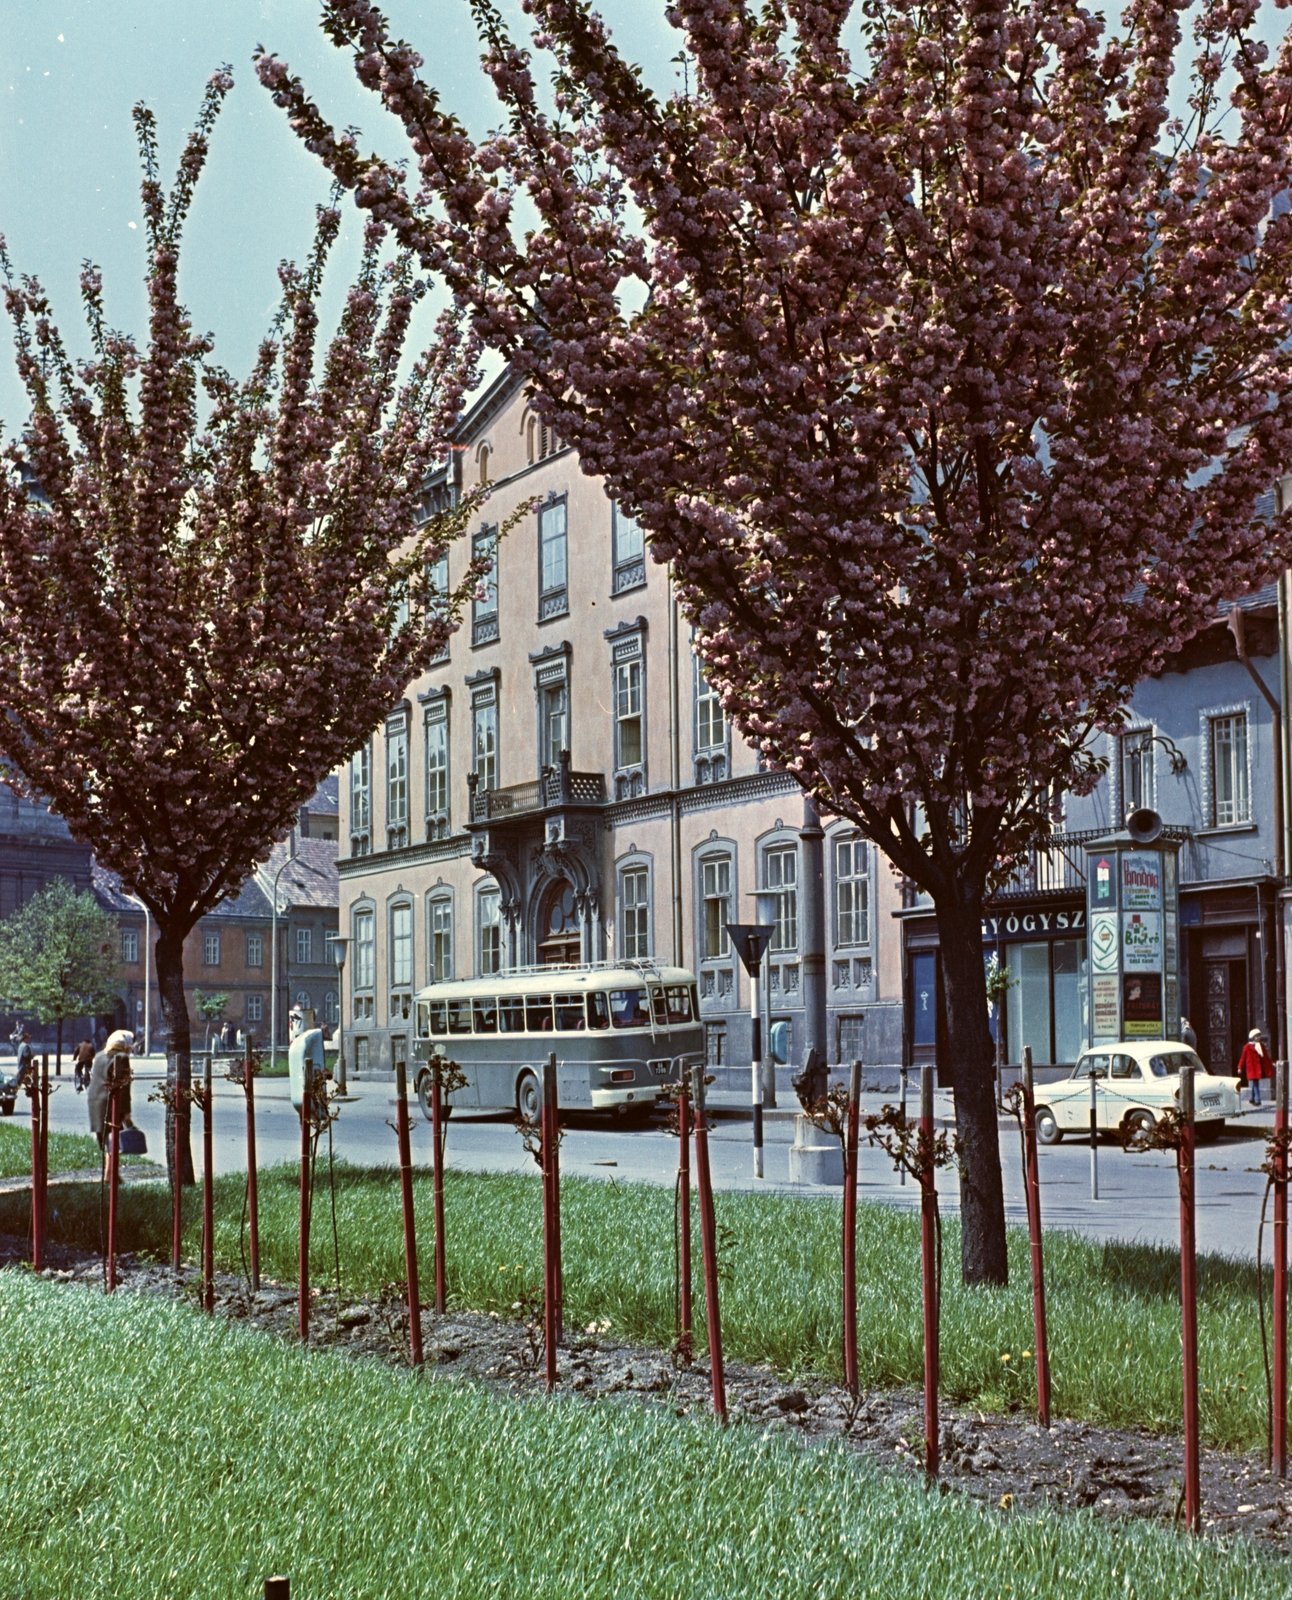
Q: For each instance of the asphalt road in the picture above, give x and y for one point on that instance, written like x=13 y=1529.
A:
x=1139 y=1199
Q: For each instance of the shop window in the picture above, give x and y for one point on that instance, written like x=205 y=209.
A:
x=1231 y=792
x=1043 y=1006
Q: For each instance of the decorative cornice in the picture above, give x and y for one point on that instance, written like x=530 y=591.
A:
x=703 y=797
x=474 y=680
x=412 y=855
x=624 y=629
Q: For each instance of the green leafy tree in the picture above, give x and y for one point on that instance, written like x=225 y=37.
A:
x=58 y=957
x=210 y=1007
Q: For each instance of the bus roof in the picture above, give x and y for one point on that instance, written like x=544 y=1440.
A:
x=560 y=979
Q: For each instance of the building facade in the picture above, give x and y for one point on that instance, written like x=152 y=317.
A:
x=564 y=786
x=1199 y=746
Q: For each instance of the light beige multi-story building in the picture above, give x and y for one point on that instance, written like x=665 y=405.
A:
x=563 y=786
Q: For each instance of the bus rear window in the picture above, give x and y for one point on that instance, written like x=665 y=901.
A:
x=511 y=1012
x=438 y=1010
x=628 y=1008
x=486 y=1015
x=459 y=1016
x=679 y=1003
x=569 y=1013
x=538 y=1013
x=598 y=1010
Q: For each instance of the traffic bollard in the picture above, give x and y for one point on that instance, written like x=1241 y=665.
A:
x=709 y=1246
x=406 y=1200
x=929 y=1269
x=1032 y=1180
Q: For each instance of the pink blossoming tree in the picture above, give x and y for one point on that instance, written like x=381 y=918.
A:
x=210 y=591
x=941 y=362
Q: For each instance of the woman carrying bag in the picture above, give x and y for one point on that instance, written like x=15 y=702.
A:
x=1254 y=1064
x=117 y=1046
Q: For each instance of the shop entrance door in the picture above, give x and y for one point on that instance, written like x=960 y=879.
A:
x=1226 y=1026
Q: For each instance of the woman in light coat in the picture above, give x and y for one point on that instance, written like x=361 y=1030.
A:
x=116 y=1047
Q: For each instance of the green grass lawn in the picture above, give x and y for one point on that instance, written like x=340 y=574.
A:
x=68 y=1152
x=161 y=1456
x=1114 y=1309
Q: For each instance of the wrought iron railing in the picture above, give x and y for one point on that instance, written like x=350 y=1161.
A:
x=1057 y=865
x=555 y=786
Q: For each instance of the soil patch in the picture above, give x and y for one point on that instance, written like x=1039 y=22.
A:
x=1007 y=1462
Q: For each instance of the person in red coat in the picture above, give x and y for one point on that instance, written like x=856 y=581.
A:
x=1255 y=1063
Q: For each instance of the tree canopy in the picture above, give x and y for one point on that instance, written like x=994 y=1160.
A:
x=58 y=956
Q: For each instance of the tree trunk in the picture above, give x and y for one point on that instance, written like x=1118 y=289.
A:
x=983 y=1257
x=179 y=1069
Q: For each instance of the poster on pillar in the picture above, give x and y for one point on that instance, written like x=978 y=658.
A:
x=1132 y=897
x=1141 y=941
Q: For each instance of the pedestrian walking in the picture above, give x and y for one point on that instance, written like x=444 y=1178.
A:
x=1254 y=1064
x=25 y=1063
x=116 y=1044
x=1187 y=1035
x=82 y=1061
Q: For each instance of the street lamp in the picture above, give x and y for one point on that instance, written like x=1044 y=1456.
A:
x=751 y=940
x=273 y=955
x=338 y=955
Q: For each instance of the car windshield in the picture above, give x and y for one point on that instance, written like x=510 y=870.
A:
x=1169 y=1063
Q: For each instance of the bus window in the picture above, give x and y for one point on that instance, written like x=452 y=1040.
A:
x=459 y=1016
x=486 y=1015
x=679 y=1004
x=569 y=1013
x=423 y=1019
x=598 y=1010
x=511 y=1009
x=695 y=1003
x=538 y=1013
x=661 y=1010
x=628 y=1008
x=438 y=1009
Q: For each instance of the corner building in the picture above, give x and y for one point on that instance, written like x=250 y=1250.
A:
x=562 y=786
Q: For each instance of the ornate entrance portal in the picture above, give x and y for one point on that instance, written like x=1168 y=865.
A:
x=560 y=937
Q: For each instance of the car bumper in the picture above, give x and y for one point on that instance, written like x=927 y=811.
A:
x=629 y=1094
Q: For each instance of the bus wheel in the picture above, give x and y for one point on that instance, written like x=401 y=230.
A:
x=424 y=1086
x=529 y=1097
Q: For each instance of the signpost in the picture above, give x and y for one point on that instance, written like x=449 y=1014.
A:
x=751 y=940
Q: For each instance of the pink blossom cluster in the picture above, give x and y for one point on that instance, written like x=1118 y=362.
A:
x=211 y=590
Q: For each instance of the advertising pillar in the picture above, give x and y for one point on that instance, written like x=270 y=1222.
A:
x=1133 y=913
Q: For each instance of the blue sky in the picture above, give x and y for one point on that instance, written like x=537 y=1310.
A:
x=70 y=72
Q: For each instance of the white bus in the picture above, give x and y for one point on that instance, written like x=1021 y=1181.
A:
x=620 y=1031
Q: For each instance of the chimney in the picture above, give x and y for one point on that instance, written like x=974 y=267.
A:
x=303 y=822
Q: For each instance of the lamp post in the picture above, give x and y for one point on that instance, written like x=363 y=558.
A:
x=273 y=953
x=338 y=955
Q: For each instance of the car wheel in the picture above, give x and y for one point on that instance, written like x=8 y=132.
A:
x=424 y=1086
x=1209 y=1132
x=1137 y=1122
x=529 y=1097
x=1048 y=1130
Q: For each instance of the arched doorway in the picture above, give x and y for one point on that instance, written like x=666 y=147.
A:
x=559 y=938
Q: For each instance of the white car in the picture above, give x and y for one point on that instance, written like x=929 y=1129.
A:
x=1133 y=1082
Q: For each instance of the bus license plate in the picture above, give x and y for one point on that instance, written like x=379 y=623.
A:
x=660 y=1069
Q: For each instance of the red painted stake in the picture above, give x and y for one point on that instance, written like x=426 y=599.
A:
x=851 y=1373
x=303 y=1266
x=929 y=1267
x=253 y=1193
x=114 y=1159
x=1189 y=1307
x=684 y=1217
x=709 y=1245
x=551 y=1237
x=44 y=1151
x=1279 y=1421
x=1040 y=1332
x=177 y=1190
x=559 y=1267
x=33 y=1094
x=437 y=1189
x=406 y=1199
x=208 y=1197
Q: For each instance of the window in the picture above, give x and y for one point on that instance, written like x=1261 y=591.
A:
x=361 y=802
x=482 y=461
x=437 y=581
x=553 y=589
x=715 y=1044
x=490 y=903
x=1137 y=770
x=1043 y=1006
x=851 y=892
x=331 y=1011
x=851 y=1039
x=1232 y=802
x=634 y=913
x=365 y=950
x=484 y=737
x=303 y=1000
x=780 y=870
x=484 y=609
x=628 y=714
x=401 y=946
x=255 y=1008
x=397 y=783
x=361 y=1056
x=255 y=949
x=437 y=769
x=129 y=946
x=304 y=946
x=210 y=949
x=553 y=722
x=439 y=935
x=715 y=889
x=629 y=552
x=710 y=732
x=540 y=440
